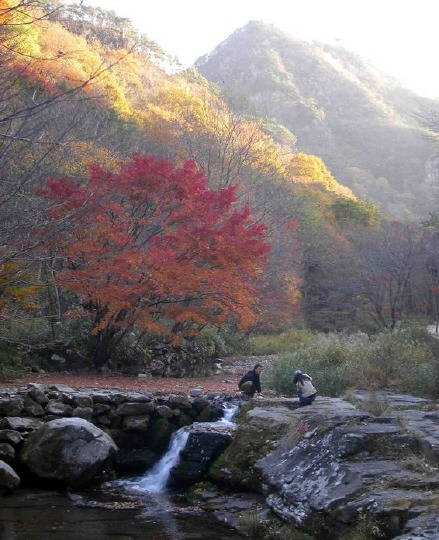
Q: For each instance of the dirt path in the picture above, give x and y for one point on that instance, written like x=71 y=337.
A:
x=225 y=382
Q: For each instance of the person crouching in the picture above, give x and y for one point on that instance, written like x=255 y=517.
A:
x=305 y=389
x=250 y=382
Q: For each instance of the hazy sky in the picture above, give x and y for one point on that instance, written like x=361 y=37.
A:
x=399 y=37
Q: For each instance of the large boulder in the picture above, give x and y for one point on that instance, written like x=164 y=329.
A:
x=205 y=443
x=256 y=436
x=69 y=450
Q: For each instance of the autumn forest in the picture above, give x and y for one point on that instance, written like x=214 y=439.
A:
x=141 y=205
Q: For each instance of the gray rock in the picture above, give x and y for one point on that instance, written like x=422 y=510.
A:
x=180 y=402
x=9 y=479
x=424 y=527
x=134 y=460
x=32 y=408
x=258 y=433
x=17 y=423
x=196 y=392
x=117 y=398
x=159 y=434
x=135 y=409
x=37 y=394
x=129 y=439
x=425 y=424
x=12 y=406
x=11 y=437
x=100 y=409
x=69 y=450
x=100 y=397
x=137 y=397
x=164 y=411
x=110 y=418
x=38 y=386
x=393 y=399
x=7 y=452
x=66 y=398
x=135 y=423
x=205 y=443
x=83 y=412
x=58 y=408
x=61 y=388
x=349 y=465
x=200 y=403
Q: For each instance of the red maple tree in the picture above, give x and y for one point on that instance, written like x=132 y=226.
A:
x=152 y=245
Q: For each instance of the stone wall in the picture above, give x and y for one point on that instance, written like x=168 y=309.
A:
x=140 y=423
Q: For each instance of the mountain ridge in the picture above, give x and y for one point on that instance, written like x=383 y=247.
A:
x=357 y=119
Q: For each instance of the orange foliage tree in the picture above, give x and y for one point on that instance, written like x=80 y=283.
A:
x=151 y=246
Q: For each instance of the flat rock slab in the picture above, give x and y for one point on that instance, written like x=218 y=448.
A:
x=393 y=399
x=352 y=462
x=270 y=418
x=424 y=527
x=425 y=425
x=332 y=411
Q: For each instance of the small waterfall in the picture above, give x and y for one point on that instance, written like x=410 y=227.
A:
x=230 y=411
x=156 y=479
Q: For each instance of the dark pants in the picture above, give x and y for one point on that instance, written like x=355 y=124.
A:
x=303 y=401
x=248 y=388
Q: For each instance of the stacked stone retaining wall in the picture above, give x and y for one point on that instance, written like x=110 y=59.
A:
x=140 y=423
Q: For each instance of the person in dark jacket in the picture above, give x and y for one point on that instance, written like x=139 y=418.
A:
x=250 y=383
x=305 y=389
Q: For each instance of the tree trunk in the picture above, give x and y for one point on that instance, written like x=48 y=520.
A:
x=101 y=351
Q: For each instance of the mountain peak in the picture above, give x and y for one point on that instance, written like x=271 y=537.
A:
x=361 y=122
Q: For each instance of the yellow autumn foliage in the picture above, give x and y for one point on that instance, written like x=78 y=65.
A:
x=309 y=169
x=16 y=287
x=18 y=34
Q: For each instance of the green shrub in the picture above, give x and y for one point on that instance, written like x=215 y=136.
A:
x=401 y=360
x=263 y=344
x=329 y=359
x=224 y=341
x=11 y=362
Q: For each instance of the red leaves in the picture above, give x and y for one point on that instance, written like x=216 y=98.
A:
x=153 y=243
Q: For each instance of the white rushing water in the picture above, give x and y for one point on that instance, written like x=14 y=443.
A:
x=155 y=480
x=230 y=411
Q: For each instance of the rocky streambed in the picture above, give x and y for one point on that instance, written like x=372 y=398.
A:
x=366 y=467
x=333 y=469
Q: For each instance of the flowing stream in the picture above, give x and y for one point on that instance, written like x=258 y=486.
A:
x=230 y=412
x=156 y=479
x=135 y=509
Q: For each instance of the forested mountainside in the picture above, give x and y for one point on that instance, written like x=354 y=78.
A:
x=86 y=112
x=362 y=123
x=138 y=205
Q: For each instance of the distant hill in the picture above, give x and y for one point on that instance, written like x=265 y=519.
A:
x=362 y=123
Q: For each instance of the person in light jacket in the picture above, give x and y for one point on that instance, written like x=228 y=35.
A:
x=305 y=389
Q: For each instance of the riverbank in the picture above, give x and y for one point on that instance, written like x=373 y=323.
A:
x=224 y=382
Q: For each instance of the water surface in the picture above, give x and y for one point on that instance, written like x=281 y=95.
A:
x=50 y=515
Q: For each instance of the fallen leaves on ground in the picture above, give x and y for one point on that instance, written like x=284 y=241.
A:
x=149 y=384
